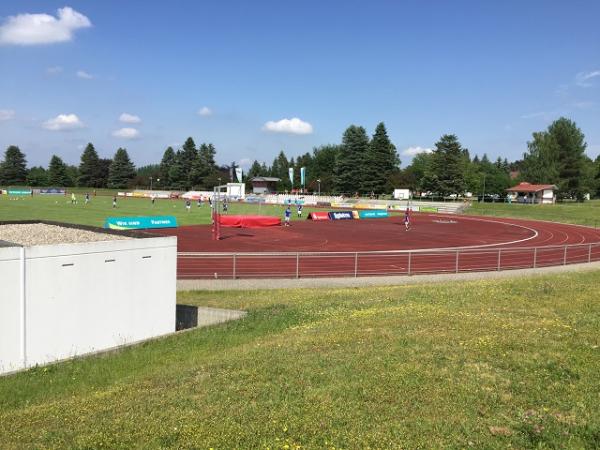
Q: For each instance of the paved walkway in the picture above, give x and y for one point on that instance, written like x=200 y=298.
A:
x=286 y=283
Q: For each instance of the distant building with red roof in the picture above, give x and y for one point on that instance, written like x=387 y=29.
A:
x=533 y=193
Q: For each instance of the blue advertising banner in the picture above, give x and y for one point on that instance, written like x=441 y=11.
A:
x=140 y=223
x=340 y=215
x=52 y=191
x=373 y=214
x=254 y=199
x=19 y=192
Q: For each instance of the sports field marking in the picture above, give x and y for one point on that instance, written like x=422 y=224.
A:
x=441 y=249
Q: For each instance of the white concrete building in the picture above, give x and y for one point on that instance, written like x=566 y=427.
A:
x=59 y=301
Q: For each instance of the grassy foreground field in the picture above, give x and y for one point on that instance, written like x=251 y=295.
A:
x=587 y=213
x=59 y=208
x=513 y=363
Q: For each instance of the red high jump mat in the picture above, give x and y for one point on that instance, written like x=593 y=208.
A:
x=249 y=221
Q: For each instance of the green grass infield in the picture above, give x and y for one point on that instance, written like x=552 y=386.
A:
x=59 y=208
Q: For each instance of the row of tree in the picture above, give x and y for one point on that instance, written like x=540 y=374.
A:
x=91 y=172
x=187 y=167
x=358 y=164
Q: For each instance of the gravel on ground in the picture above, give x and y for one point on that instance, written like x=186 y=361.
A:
x=30 y=234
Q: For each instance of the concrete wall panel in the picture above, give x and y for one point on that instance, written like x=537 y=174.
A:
x=88 y=297
x=10 y=309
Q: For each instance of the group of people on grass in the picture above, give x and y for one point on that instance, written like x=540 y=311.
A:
x=287 y=213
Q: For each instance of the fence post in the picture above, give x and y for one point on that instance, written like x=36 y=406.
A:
x=23 y=307
x=409 y=261
x=535 y=257
x=499 y=258
x=456 y=263
x=565 y=256
x=234 y=265
x=297 y=265
x=355 y=264
x=590 y=253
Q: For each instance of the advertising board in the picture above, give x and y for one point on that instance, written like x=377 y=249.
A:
x=373 y=214
x=318 y=215
x=52 y=191
x=140 y=223
x=341 y=215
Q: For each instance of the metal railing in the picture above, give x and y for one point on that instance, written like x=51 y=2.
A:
x=370 y=263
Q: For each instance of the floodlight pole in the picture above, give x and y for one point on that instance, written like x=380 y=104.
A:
x=319 y=183
x=150 y=183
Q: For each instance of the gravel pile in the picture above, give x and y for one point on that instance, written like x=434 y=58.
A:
x=41 y=234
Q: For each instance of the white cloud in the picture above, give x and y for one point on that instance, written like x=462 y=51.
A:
x=55 y=70
x=126 y=133
x=413 y=151
x=63 y=122
x=245 y=163
x=582 y=79
x=34 y=29
x=6 y=114
x=290 y=126
x=205 y=111
x=129 y=118
x=83 y=74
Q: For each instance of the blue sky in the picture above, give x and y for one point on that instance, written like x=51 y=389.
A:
x=490 y=72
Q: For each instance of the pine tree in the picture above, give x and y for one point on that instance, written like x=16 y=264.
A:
x=57 y=172
x=323 y=167
x=381 y=163
x=165 y=166
x=187 y=156
x=210 y=170
x=73 y=175
x=13 y=170
x=255 y=170
x=103 y=172
x=349 y=164
x=279 y=169
x=37 y=176
x=177 y=176
x=571 y=157
x=89 y=168
x=447 y=167
x=197 y=172
x=121 y=171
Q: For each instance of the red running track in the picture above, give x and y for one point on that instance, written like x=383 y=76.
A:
x=434 y=244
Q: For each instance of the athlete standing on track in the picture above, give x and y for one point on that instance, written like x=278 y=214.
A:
x=288 y=215
x=407 y=219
